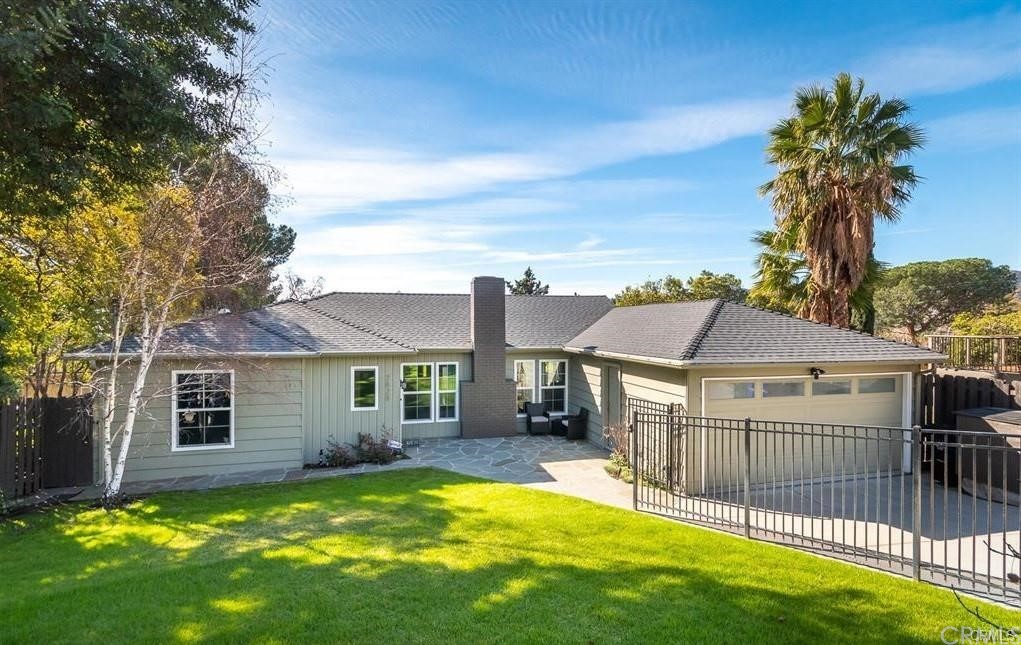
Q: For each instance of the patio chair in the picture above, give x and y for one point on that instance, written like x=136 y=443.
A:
x=537 y=419
x=576 y=425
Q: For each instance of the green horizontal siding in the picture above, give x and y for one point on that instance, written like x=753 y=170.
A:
x=267 y=422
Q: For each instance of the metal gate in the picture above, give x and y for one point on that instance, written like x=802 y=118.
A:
x=862 y=493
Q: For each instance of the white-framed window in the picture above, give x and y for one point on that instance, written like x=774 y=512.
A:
x=416 y=392
x=524 y=379
x=202 y=409
x=446 y=392
x=430 y=392
x=553 y=385
x=364 y=388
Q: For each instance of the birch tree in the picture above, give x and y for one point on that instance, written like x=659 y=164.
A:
x=199 y=230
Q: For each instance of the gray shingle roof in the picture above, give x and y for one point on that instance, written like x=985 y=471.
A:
x=440 y=321
x=367 y=323
x=223 y=334
x=715 y=332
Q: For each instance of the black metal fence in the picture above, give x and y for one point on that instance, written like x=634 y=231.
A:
x=872 y=495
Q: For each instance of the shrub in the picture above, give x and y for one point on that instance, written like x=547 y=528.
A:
x=618 y=439
x=376 y=451
x=337 y=455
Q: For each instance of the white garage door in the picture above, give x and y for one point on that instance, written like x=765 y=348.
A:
x=859 y=400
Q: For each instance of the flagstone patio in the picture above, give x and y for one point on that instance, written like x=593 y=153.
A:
x=545 y=462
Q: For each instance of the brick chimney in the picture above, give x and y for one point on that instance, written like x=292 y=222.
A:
x=488 y=400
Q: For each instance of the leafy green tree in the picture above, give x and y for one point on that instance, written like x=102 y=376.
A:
x=528 y=285
x=705 y=286
x=99 y=93
x=708 y=286
x=921 y=297
x=1004 y=321
x=839 y=168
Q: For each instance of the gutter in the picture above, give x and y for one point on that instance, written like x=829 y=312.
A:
x=192 y=355
x=652 y=360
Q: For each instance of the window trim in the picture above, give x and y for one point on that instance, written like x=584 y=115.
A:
x=432 y=394
x=375 y=383
x=541 y=387
x=834 y=379
x=857 y=385
x=456 y=391
x=514 y=367
x=174 y=447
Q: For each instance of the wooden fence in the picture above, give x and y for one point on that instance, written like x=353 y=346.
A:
x=44 y=442
x=946 y=392
x=20 y=448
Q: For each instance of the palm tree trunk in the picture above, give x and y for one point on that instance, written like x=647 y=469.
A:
x=840 y=307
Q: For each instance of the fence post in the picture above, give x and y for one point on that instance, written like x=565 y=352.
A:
x=633 y=429
x=747 y=476
x=916 y=503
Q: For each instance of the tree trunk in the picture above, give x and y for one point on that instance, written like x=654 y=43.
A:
x=840 y=306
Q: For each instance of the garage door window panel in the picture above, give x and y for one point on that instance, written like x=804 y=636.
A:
x=776 y=389
x=831 y=387
x=734 y=390
x=884 y=385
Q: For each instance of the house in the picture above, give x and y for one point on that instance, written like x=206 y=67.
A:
x=270 y=388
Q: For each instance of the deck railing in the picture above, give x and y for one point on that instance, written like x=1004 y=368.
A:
x=983 y=353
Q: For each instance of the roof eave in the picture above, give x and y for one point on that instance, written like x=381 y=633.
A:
x=90 y=356
x=917 y=360
x=649 y=360
x=655 y=360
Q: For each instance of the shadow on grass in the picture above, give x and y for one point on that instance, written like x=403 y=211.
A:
x=420 y=556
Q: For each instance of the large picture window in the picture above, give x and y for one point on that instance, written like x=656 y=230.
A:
x=417 y=394
x=524 y=377
x=364 y=388
x=203 y=410
x=429 y=392
x=553 y=385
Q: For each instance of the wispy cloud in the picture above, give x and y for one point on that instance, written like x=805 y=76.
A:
x=976 y=129
x=358 y=178
x=948 y=58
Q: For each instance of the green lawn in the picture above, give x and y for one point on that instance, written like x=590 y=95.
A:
x=430 y=556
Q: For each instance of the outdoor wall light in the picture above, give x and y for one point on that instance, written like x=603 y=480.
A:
x=816 y=372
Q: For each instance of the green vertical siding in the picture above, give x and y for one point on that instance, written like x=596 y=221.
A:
x=328 y=413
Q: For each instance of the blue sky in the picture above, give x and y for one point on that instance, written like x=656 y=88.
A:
x=606 y=143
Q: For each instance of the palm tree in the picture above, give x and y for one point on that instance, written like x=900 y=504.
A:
x=838 y=161
x=782 y=280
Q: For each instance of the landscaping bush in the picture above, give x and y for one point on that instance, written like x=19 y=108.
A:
x=618 y=439
x=368 y=450
x=337 y=455
x=375 y=451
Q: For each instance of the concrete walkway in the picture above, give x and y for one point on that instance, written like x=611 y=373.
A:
x=543 y=462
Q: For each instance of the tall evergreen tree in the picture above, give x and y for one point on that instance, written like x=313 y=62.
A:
x=528 y=285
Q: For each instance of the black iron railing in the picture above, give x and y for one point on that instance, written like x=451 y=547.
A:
x=939 y=505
